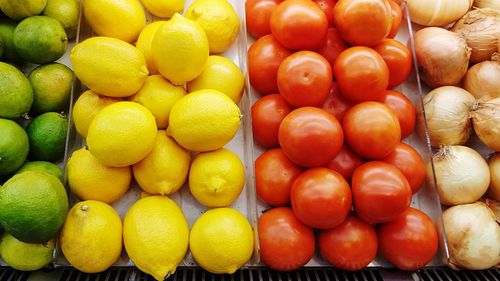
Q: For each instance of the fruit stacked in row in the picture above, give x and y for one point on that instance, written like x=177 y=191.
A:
x=334 y=130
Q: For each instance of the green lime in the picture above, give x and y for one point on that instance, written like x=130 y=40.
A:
x=40 y=39
x=14 y=146
x=66 y=12
x=20 y=9
x=47 y=134
x=43 y=166
x=7 y=27
x=51 y=85
x=25 y=256
x=16 y=94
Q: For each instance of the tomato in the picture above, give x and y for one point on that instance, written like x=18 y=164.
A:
x=346 y=162
x=274 y=176
x=363 y=22
x=397 y=17
x=352 y=245
x=336 y=104
x=327 y=7
x=299 y=25
x=334 y=45
x=410 y=163
x=371 y=129
x=380 y=192
x=321 y=198
x=267 y=114
x=264 y=58
x=361 y=74
x=410 y=241
x=397 y=58
x=258 y=14
x=305 y=79
x=285 y=243
x=310 y=136
x=404 y=109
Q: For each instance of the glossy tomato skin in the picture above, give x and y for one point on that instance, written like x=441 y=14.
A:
x=310 y=136
x=410 y=241
x=363 y=22
x=371 y=129
x=346 y=162
x=410 y=163
x=404 y=110
x=380 y=192
x=361 y=74
x=327 y=7
x=267 y=114
x=258 y=14
x=285 y=243
x=352 y=245
x=397 y=17
x=336 y=104
x=397 y=58
x=321 y=198
x=264 y=58
x=292 y=23
x=274 y=176
x=305 y=79
x=334 y=45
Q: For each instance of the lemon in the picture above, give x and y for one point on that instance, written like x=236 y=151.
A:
x=162 y=8
x=156 y=235
x=204 y=120
x=165 y=169
x=180 y=49
x=121 y=19
x=159 y=96
x=20 y=9
x=25 y=256
x=144 y=44
x=86 y=108
x=216 y=178
x=221 y=240
x=89 y=179
x=220 y=74
x=122 y=134
x=219 y=20
x=91 y=238
x=109 y=66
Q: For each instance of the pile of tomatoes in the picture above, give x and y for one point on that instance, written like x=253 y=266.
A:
x=333 y=129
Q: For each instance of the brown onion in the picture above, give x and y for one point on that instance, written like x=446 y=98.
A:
x=494 y=164
x=437 y=13
x=493 y=4
x=483 y=79
x=486 y=121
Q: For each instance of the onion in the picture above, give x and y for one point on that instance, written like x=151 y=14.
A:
x=494 y=189
x=486 y=120
x=483 y=79
x=437 y=13
x=442 y=56
x=494 y=207
x=462 y=175
x=493 y=4
x=481 y=30
x=447 y=115
x=473 y=236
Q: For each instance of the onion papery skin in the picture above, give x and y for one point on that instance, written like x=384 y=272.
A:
x=486 y=122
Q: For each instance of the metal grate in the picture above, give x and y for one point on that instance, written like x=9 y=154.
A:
x=444 y=274
x=13 y=275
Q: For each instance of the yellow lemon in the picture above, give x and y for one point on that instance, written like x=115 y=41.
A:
x=159 y=96
x=144 y=44
x=156 y=235
x=219 y=20
x=109 y=66
x=216 y=178
x=162 y=8
x=86 y=108
x=91 y=238
x=220 y=74
x=121 y=19
x=180 y=49
x=221 y=240
x=165 y=169
x=89 y=179
x=122 y=134
x=204 y=120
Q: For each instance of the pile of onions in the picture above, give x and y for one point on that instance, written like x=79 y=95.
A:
x=483 y=79
x=442 y=56
x=494 y=207
x=481 y=30
x=486 y=122
x=493 y=4
x=494 y=163
x=437 y=13
x=473 y=236
x=447 y=115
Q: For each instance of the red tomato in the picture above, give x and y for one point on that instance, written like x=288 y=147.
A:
x=310 y=136
x=274 y=176
x=380 y=192
x=327 y=7
x=361 y=74
x=264 y=59
x=305 y=79
x=285 y=243
x=336 y=104
x=410 y=241
x=258 y=14
x=371 y=129
x=410 y=163
x=404 y=109
x=334 y=45
x=350 y=246
x=321 y=198
x=363 y=22
x=299 y=25
x=346 y=162
x=397 y=58
x=267 y=114
x=397 y=17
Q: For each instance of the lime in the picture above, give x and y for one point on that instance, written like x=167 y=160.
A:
x=20 y=9
x=7 y=27
x=25 y=256
x=66 y=12
x=14 y=146
x=43 y=166
x=16 y=94
x=47 y=134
